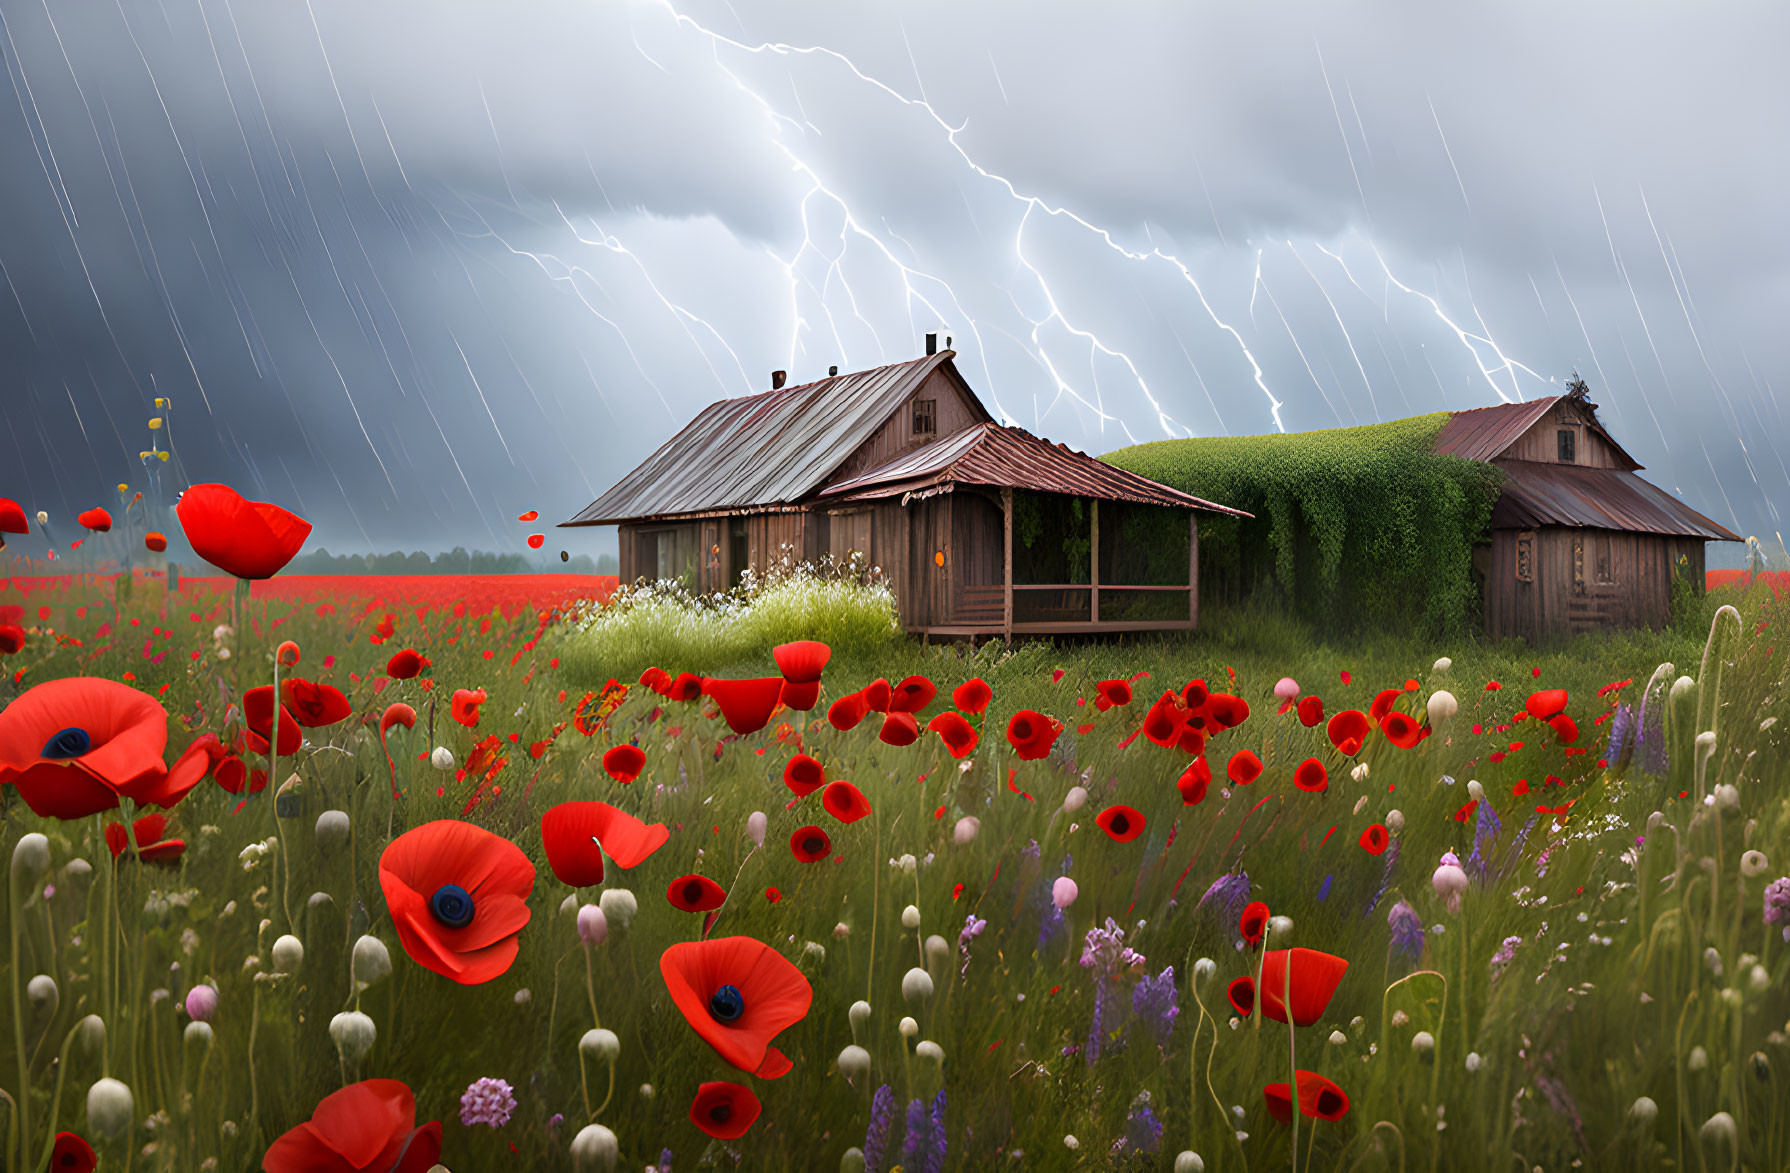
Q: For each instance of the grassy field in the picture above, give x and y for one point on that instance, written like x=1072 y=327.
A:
x=1606 y=992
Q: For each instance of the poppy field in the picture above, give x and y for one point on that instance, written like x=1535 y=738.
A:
x=381 y=884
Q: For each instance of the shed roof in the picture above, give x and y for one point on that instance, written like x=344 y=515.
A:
x=1013 y=458
x=761 y=450
x=1485 y=433
x=1599 y=498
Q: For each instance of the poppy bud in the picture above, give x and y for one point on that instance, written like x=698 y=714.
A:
x=594 y=1148
x=1424 y=1043
x=1441 y=707
x=332 y=830
x=756 y=823
x=916 y=985
x=859 y=1014
x=91 y=1031
x=1758 y=979
x=600 y=1045
x=1188 y=1161
x=593 y=924
x=288 y=954
x=1474 y=1062
x=43 y=994
x=908 y=864
x=1279 y=929
x=851 y=1161
x=908 y=1027
x=930 y=1050
x=110 y=1107
x=371 y=962
x=286 y=653
x=198 y=1034
x=1718 y=1129
x=1069 y=1142
x=354 y=1034
x=1475 y=791
x=569 y=904
x=936 y=949
x=1443 y=665
x=43 y=518
x=619 y=907
x=965 y=830
x=1286 y=688
x=1338 y=1038
x=1075 y=799
x=1643 y=1111
x=1203 y=969
x=1449 y=881
x=1727 y=795
x=201 y=1003
x=854 y=1061
x=910 y=917
x=442 y=759
x=1063 y=892
x=30 y=858
x=1395 y=821
x=1697 y=1060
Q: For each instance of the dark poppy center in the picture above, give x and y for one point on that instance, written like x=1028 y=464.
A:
x=727 y=1004
x=67 y=743
x=1121 y=824
x=692 y=892
x=1328 y=1102
x=721 y=1113
x=812 y=844
x=452 y=906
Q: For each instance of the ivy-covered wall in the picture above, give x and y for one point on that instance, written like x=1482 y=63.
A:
x=1352 y=526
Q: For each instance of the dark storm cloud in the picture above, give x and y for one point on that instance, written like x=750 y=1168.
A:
x=417 y=267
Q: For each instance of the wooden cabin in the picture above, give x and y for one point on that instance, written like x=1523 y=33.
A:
x=979 y=528
x=1578 y=542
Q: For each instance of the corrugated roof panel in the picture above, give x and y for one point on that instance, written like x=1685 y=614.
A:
x=1599 y=498
x=767 y=449
x=1009 y=457
x=1484 y=432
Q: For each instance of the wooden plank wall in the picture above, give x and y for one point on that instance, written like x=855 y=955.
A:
x=1626 y=581
x=974 y=553
x=954 y=413
x=1541 y=442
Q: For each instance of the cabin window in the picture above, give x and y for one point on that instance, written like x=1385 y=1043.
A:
x=925 y=417
x=1568 y=440
x=1605 y=561
x=1526 y=557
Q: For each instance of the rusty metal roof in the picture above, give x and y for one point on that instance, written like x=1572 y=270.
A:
x=1013 y=458
x=1539 y=494
x=761 y=450
x=1484 y=432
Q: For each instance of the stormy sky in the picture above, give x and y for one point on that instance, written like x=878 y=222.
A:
x=412 y=268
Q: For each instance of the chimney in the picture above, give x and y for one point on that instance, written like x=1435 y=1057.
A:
x=932 y=344
x=777 y=378
x=947 y=342
x=832 y=372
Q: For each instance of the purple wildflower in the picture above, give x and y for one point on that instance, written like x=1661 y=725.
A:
x=1407 y=930
x=487 y=1101
x=1777 y=904
x=1324 y=888
x=1153 y=1004
x=664 y=1163
x=1506 y=951
x=916 y=1134
x=1650 y=738
x=1622 y=741
x=1385 y=876
x=934 y=1155
x=1105 y=950
x=876 y=1138
x=1143 y=1130
x=1484 y=832
x=1227 y=897
x=972 y=928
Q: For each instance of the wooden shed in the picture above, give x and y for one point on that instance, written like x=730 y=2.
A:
x=1578 y=541
x=980 y=529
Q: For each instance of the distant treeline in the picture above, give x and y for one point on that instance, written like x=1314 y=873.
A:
x=455 y=561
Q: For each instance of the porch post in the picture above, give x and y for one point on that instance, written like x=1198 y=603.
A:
x=1007 y=565
x=1094 y=557
x=1193 y=568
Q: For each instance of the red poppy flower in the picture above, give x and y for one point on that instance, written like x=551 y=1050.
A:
x=1241 y=995
x=1310 y=775
x=577 y=834
x=1194 y=695
x=314 y=705
x=738 y=994
x=724 y=1110
x=1375 y=839
x=1401 y=730
x=75 y=745
x=801 y=696
x=1031 y=734
x=465 y=706
x=846 y=712
x=1311 y=711
x=1546 y=703
x=624 y=762
x=804 y=775
x=230 y=773
x=12 y=639
x=1315 y=977
x=1194 y=780
x=1192 y=739
x=155 y=542
x=1319 y=1097
x=1111 y=692
x=536 y=541
x=151 y=847
x=1122 y=824
x=1254 y=922
x=367 y=1127
x=96 y=519
x=257 y=714
x=687 y=687
x=1348 y=731
x=899 y=729
x=1164 y=720
x=844 y=801
x=972 y=696
x=878 y=695
x=746 y=704
x=959 y=736
x=810 y=845
x=12 y=517
x=1565 y=728
x=802 y=661
x=1383 y=703
x=250 y=539
x=1226 y=711
x=1244 y=767
x=695 y=893
x=912 y=695
x=404 y=665
x=71 y=1154
x=656 y=679
x=458 y=895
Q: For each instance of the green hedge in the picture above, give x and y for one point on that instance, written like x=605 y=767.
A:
x=1353 y=526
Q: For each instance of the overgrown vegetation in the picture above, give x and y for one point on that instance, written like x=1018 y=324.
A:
x=455 y=561
x=1361 y=526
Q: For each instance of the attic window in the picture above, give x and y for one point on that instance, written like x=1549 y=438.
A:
x=925 y=417
x=1568 y=439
